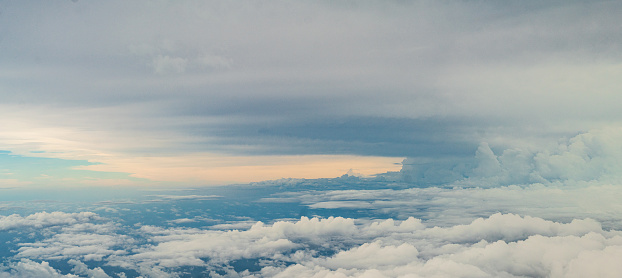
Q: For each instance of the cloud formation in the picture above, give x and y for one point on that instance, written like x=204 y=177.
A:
x=44 y=219
x=214 y=79
x=501 y=245
x=588 y=156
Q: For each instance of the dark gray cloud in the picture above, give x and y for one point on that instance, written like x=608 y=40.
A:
x=394 y=78
x=374 y=136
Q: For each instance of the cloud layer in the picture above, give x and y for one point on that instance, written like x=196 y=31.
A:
x=589 y=156
x=121 y=83
x=501 y=245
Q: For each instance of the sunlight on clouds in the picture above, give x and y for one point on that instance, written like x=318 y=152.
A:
x=208 y=168
x=505 y=116
x=501 y=245
x=71 y=140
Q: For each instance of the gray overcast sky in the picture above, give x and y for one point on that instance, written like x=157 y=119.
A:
x=211 y=84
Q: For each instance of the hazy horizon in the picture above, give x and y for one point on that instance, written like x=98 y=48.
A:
x=158 y=138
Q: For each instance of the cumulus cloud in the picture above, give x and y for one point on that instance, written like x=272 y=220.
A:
x=82 y=269
x=45 y=219
x=405 y=247
x=182 y=220
x=29 y=268
x=500 y=245
x=451 y=206
x=86 y=246
x=588 y=156
x=444 y=252
x=246 y=78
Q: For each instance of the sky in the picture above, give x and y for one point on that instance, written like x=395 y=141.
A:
x=220 y=92
x=310 y=138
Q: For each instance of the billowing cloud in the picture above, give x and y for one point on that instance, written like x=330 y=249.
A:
x=589 y=156
x=28 y=268
x=82 y=269
x=44 y=219
x=214 y=79
x=505 y=115
x=453 y=205
x=501 y=245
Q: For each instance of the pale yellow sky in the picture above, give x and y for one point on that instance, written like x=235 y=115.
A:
x=36 y=133
x=211 y=169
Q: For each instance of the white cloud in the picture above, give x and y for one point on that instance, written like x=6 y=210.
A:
x=373 y=255
x=81 y=268
x=341 y=204
x=214 y=61
x=389 y=248
x=88 y=246
x=185 y=197
x=83 y=235
x=44 y=219
x=443 y=252
x=588 y=156
x=182 y=221
x=28 y=268
x=502 y=245
x=282 y=65
x=164 y=64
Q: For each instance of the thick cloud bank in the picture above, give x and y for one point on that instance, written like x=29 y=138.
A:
x=501 y=245
x=589 y=156
x=548 y=210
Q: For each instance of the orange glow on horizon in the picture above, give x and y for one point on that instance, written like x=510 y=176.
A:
x=212 y=170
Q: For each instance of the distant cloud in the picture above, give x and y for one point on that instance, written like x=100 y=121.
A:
x=536 y=230
x=29 y=268
x=186 y=197
x=192 y=81
x=506 y=245
x=163 y=64
x=451 y=205
x=45 y=219
x=182 y=221
x=589 y=156
x=87 y=243
x=214 y=61
x=82 y=269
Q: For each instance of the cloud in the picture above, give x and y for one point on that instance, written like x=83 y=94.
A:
x=180 y=247
x=452 y=205
x=28 y=268
x=84 y=242
x=373 y=255
x=82 y=269
x=214 y=61
x=341 y=204
x=166 y=64
x=410 y=247
x=186 y=197
x=497 y=245
x=482 y=256
x=588 y=156
x=271 y=80
x=44 y=219
x=182 y=220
